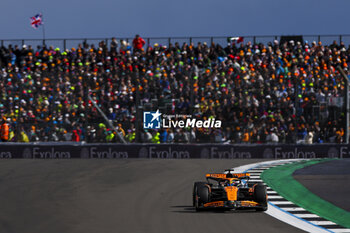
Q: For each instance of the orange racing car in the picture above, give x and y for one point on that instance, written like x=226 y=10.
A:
x=230 y=191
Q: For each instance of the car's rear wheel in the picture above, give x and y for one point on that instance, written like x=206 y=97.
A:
x=260 y=196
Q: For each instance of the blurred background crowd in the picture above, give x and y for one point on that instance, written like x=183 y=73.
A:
x=287 y=92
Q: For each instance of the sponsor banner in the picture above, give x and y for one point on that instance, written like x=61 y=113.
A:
x=104 y=152
x=171 y=151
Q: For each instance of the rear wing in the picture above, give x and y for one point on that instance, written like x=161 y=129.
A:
x=227 y=176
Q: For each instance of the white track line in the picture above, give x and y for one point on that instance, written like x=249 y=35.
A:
x=292 y=209
x=340 y=230
x=275 y=197
x=307 y=215
x=271 y=192
x=281 y=202
x=255 y=180
x=323 y=222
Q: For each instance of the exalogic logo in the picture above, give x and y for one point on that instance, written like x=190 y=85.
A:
x=151 y=120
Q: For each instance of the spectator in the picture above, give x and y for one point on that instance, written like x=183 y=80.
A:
x=130 y=137
x=272 y=137
x=309 y=137
x=138 y=43
x=246 y=136
x=114 y=45
x=147 y=137
x=5 y=130
x=163 y=136
x=293 y=88
x=110 y=136
x=23 y=137
x=156 y=137
x=75 y=136
x=170 y=138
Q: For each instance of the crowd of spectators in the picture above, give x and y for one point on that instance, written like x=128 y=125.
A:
x=263 y=93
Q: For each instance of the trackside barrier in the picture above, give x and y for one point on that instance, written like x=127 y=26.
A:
x=170 y=151
x=64 y=43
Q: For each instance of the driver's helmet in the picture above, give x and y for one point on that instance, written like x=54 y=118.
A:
x=234 y=182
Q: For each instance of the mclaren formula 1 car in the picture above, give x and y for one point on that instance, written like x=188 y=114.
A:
x=229 y=191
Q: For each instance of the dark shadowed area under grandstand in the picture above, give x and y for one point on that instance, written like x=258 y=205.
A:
x=116 y=196
x=329 y=180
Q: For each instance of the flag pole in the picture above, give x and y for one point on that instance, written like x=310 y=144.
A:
x=42 y=18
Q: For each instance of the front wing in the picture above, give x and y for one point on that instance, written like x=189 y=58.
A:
x=233 y=204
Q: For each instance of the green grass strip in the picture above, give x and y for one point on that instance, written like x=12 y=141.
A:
x=281 y=180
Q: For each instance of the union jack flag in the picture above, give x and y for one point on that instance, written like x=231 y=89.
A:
x=36 y=21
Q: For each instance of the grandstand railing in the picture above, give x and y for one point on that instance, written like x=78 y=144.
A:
x=222 y=40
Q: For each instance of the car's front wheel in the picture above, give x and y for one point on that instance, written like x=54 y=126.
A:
x=201 y=196
x=195 y=187
x=260 y=196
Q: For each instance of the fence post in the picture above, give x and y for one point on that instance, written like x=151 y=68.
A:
x=340 y=39
x=319 y=38
x=211 y=40
x=18 y=125
x=137 y=105
x=64 y=44
x=346 y=80
x=254 y=39
x=169 y=41
x=148 y=42
x=190 y=40
x=22 y=42
x=192 y=100
x=86 y=102
x=296 y=105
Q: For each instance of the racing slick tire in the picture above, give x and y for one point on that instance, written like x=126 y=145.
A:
x=195 y=187
x=260 y=196
x=202 y=192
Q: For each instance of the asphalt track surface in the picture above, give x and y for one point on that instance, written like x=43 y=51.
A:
x=329 y=180
x=104 y=196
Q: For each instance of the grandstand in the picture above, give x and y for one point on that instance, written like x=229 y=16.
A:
x=264 y=91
